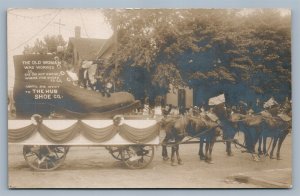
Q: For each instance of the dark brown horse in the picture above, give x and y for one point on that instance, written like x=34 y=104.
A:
x=177 y=128
x=267 y=124
x=231 y=123
x=277 y=126
x=256 y=128
x=207 y=131
x=277 y=129
x=251 y=126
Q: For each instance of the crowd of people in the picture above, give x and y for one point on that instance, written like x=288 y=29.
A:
x=271 y=108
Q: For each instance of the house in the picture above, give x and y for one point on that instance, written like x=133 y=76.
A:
x=181 y=97
x=88 y=49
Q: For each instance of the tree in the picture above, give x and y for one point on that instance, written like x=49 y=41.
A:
x=149 y=39
x=213 y=51
x=47 y=45
x=264 y=60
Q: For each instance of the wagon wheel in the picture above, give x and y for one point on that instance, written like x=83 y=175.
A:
x=138 y=156
x=45 y=158
x=116 y=152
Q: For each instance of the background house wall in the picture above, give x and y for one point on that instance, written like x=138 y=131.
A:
x=173 y=97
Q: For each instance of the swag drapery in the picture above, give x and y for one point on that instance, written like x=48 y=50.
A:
x=98 y=135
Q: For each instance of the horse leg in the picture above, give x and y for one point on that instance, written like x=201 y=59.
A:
x=281 y=139
x=177 y=154
x=259 y=146
x=207 y=158
x=172 y=156
x=211 y=145
x=264 y=138
x=228 y=136
x=275 y=139
x=165 y=151
x=228 y=148
x=201 y=154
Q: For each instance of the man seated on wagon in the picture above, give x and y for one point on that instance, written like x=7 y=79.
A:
x=166 y=110
x=102 y=85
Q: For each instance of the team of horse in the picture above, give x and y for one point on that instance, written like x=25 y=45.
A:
x=255 y=127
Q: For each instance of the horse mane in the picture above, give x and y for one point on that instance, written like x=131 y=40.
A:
x=204 y=121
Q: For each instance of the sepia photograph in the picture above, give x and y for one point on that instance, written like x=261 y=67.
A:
x=149 y=98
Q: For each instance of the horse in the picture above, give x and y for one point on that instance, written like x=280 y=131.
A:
x=207 y=131
x=231 y=123
x=252 y=127
x=257 y=128
x=277 y=128
x=226 y=124
x=179 y=127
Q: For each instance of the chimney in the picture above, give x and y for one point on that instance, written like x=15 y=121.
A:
x=77 y=32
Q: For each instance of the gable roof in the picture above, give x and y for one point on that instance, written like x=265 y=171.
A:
x=108 y=48
x=91 y=48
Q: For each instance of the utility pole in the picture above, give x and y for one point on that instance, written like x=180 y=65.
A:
x=59 y=25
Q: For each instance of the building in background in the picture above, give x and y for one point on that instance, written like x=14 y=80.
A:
x=89 y=49
x=181 y=97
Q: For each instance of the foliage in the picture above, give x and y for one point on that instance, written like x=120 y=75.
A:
x=47 y=45
x=246 y=56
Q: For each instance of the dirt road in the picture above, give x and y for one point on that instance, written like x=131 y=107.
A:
x=94 y=167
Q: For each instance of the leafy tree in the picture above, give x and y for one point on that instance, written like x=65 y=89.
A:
x=245 y=56
x=47 y=45
x=37 y=48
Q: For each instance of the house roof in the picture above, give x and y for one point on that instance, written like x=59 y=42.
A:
x=91 y=48
x=108 y=48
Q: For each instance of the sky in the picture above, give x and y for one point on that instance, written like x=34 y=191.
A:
x=24 y=26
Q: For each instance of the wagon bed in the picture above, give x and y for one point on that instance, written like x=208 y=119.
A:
x=47 y=142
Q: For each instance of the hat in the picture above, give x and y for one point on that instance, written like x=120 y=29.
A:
x=270 y=103
x=86 y=64
x=216 y=100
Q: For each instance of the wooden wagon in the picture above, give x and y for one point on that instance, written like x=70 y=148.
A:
x=47 y=142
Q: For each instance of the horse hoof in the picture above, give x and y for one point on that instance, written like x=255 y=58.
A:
x=166 y=158
x=256 y=158
x=209 y=161
x=271 y=157
x=180 y=162
x=202 y=158
x=230 y=154
x=266 y=155
x=173 y=164
x=278 y=158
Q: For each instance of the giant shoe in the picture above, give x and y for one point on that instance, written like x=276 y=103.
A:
x=42 y=86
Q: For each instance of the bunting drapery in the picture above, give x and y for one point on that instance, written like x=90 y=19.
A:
x=137 y=135
x=59 y=136
x=21 y=134
x=94 y=134
x=98 y=134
